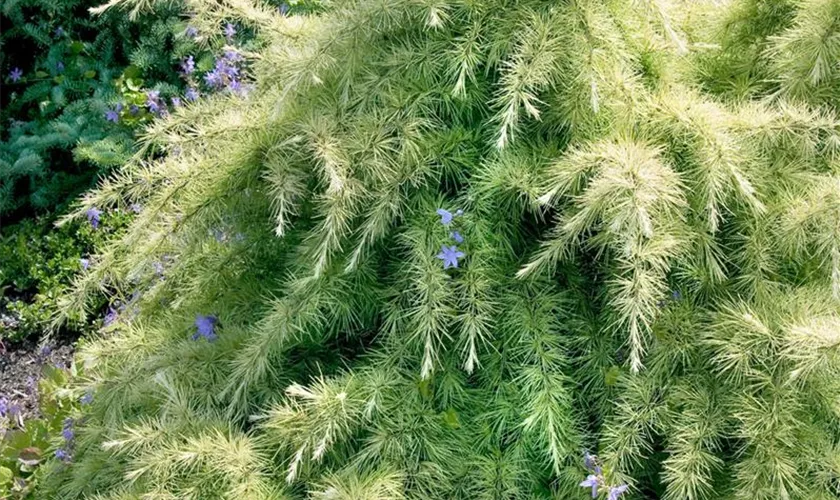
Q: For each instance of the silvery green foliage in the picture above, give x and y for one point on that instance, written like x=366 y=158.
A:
x=650 y=260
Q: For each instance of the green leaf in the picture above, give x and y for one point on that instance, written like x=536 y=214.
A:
x=612 y=375
x=134 y=84
x=6 y=476
x=131 y=72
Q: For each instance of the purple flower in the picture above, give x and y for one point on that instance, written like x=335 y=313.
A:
x=59 y=32
x=153 y=101
x=205 y=327
x=591 y=481
x=85 y=263
x=87 y=398
x=676 y=295
x=188 y=65
x=616 y=492
x=176 y=102
x=445 y=216
x=232 y=56
x=4 y=407
x=229 y=31
x=62 y=455
x=449 y=256
x=219 y=235
x=59 y=66
x=93 y=214
x=112 y=115
x=214 y=78
x=136 y=208
x=133 y=109
x=191 y=94
x=457 y=236
x=191 y=31
x=16 y=74
x=45 y=350
x=68 y=434
x=283 y=9
x=589 y=460
x=111 y=316
x=68 y=422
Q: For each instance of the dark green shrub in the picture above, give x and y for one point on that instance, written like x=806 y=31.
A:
x=54 y=135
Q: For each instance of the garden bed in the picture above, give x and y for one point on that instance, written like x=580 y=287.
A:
x=20 y=370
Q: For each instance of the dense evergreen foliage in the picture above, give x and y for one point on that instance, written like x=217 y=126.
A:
x=63 y=69
x=458 y=249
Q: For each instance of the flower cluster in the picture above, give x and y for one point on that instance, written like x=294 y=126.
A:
x=450 y=254
x=67 y=432
x=226 y=74
x=596 y=480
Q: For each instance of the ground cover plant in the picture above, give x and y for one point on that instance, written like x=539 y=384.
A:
x=455 y=249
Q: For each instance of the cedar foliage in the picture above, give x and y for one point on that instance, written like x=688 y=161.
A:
x=652 y=260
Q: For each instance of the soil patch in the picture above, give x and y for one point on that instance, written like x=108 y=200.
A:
x=20 y=370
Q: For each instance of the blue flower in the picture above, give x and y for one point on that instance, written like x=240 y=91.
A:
x=45 y=350
x=153 y=101
x=62 y=455
x=16 y=74
x=457 y=236
x=188 y=65
x=445 y=216
x=4 y=407
x=59 y=32
x=589 y=460
x=136 y=208
x=591 y=481
x=232 y=56
x=85 y=263
x=191 y=31
x=87 y=398
x=158 y=267
x=93 y=214
x=59 y=66
x=616 y=492
x=283 y=9
x=68 y=434
x=449 y=256
x=176 y=102
x=191 y=94
x=111 y=316
x=676 y=295
x=214 y=78
x=133 y=109
x=205 y=327
x=112 y=115
x=229 y=31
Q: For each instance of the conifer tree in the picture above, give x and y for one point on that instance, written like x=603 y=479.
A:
x=457 y=249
